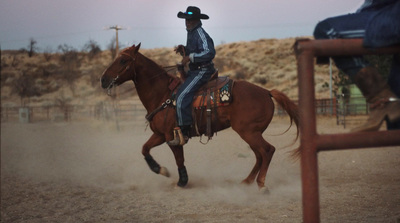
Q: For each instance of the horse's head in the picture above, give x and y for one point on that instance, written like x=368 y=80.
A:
x=122 y=69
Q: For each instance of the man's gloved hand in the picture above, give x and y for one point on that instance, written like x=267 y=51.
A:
x=180 y=49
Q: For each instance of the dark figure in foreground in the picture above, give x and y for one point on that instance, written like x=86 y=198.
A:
x=378 y=23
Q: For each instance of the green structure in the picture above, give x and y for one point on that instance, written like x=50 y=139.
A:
x=351 y=101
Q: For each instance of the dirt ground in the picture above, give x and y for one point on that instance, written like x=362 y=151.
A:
x=90 y=172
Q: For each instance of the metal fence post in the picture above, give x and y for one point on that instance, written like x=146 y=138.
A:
x=310 y=141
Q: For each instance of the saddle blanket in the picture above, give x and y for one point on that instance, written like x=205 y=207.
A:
x=216 y=94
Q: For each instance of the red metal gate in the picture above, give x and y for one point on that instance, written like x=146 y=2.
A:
x=310 y=141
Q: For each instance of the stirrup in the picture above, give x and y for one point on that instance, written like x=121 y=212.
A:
x=179 y=138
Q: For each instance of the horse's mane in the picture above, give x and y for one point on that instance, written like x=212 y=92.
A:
x=147 y=59
x=152 y=62
x=162 y=69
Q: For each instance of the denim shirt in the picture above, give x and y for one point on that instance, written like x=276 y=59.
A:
x=199 y=46
x=383 y=27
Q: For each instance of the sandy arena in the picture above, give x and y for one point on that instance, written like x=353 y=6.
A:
x=90 y=172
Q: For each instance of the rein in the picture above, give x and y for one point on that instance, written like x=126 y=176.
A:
x=170 y=67
x=131 y=62
x=113 y=82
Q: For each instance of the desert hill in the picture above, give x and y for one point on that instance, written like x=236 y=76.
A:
x=73 y=77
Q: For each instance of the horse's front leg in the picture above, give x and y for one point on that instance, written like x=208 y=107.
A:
x=180 y=159
x=154 y=141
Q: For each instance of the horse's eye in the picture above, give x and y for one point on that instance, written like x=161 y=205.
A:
x=123 y=61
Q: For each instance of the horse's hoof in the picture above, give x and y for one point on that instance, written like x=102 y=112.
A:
x=264 y=190
x=164 y=171
x=183 y=177
x=182 y=184
x=246 y=182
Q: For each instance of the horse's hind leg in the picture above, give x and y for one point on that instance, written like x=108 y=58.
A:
x=269 y=151
x=253 y=174
x=264 y=152
x=153 y=141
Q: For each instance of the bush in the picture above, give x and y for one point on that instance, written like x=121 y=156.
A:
x=68 y=53
x=25 y=87
x=92 y=48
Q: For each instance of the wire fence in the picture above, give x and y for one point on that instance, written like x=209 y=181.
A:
x=351 y=110
x=68 y=113
x=344 y=110
x=347 y=111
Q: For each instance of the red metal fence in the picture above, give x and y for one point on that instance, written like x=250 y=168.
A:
x=310 y=141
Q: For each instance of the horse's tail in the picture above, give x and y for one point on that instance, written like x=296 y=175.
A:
x=292 y=110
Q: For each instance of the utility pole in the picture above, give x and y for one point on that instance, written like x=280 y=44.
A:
x=116 y=27
x=115 y=99
x=330 y=84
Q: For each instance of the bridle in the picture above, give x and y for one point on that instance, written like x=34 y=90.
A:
x=165 y=104
x=111 y=85
x=114 y=81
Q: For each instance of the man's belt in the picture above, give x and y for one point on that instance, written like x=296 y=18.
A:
x=198 y=66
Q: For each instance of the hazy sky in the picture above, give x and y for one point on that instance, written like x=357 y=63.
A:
x=154 y=22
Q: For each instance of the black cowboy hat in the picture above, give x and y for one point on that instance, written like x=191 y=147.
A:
x=192 y=12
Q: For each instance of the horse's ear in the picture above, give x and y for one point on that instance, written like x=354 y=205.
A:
x=137 y=47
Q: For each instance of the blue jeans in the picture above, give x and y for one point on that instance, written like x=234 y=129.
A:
x=354 y=26
x=345 y=27
x=184 y=98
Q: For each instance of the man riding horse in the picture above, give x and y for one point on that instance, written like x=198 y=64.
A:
x=199 y=53
x=249 y=110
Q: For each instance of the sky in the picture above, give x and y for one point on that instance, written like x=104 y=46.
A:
x=154 y=23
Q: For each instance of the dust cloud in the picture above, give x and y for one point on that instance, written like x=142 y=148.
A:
x=89 y=171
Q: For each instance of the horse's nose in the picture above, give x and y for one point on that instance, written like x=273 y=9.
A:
x=103 y=81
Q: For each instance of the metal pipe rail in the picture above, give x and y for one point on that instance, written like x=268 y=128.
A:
x=310 y=141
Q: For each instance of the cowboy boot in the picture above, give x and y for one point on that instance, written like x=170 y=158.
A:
x=383 y=102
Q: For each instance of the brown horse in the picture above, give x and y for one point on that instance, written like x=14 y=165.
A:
x=249 y=114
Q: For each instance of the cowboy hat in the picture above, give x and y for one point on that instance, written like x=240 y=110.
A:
x=192 y=12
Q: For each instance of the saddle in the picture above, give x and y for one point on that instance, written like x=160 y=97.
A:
x=215 y=93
